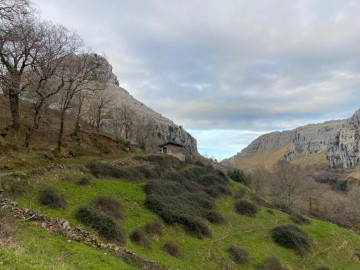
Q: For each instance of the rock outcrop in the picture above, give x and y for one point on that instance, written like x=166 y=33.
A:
x=345 y=150
x=154 y=127
x=340 y=139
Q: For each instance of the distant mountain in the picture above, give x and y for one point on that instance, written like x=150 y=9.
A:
x=338 y=141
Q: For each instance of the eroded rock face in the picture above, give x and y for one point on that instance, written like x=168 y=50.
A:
x=340 y=139
x=345 y=150
x=162 y=128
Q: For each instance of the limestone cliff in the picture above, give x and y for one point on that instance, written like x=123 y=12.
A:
x=148 y=127
x=339 y=139
x=153 y=128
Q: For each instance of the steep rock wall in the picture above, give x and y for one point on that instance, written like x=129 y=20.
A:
x=159 y=129
x=340 y=139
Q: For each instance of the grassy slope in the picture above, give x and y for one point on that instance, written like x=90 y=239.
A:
x=331 y=245
x=38 y=249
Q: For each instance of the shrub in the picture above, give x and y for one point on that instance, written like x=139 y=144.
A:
x=16 y=186
x=187 y=198
x=241 y=194
x=299 y=219
x=108 y=205
x=166 y=162
x=52 y=198
x=238 y=176
x=114 y=171
x=238 y=254
x=214 y=217
x=139 y=237
x=271 y=263
x=246 y=208
x=291 y=236
x=154 y=228
x=103 y=224
x=172 y=249
x=8 y=226
x=84 y=181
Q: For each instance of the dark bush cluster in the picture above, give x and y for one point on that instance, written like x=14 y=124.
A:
x=139 y=237
x=154 y=228
x=291 y=236
x=165 y=162
x=299 y=219
x=187 y=197
x=51 y=198
x=84 y=181
x=271 y=263
x=238 y=254
x=108 y=205
x=238 y=176
x=15 y=185
x=100 y=170
x=103 y=224
x=246 y=208
x=172 y=249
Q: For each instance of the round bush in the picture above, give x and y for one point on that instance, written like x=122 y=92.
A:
x=291 y=236
x=299 y=219
x=139 y=237
x=154 y=228
x=238 y=254
x=214 y=217
x=108 y=205
x=52 y=198
x=103 y=224
x=84 y=181
x=271 y=263
x=246 y=208
x=172 y=249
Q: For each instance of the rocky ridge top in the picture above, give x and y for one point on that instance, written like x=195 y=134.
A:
x=340 y=139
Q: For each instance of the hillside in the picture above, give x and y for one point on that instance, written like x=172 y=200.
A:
x=337 y=141
x=47 y=249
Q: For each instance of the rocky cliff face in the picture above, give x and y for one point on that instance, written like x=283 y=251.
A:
x=340 y=140
x=345 y=150
x=149 y=127
x=156 y=128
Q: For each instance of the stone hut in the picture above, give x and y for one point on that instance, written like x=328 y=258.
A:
x=174 y=149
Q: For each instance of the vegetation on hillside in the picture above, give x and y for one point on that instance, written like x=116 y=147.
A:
x=170 y=244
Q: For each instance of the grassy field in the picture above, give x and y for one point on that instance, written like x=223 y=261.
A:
x=330 y=245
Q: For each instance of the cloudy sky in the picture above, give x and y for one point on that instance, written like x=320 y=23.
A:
x=229 y=70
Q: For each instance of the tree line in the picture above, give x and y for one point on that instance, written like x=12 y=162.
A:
x=48 y=65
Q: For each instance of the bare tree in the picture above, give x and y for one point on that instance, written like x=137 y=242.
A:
x=127 y=117
x=289 y=182
x=43 y=81
x=20 y=42
x=77 y=73
x=102 y=102
x=12 y=8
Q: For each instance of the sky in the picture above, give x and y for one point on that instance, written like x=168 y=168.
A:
x=231 y=70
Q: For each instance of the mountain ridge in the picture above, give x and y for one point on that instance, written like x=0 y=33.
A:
x=338 y=139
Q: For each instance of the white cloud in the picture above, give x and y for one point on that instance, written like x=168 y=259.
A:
x=220 y=65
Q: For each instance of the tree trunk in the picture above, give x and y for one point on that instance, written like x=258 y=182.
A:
x=14 y=108
x=61 y=131
x=36 y=123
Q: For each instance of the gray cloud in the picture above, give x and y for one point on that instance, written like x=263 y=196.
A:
x=232 y=65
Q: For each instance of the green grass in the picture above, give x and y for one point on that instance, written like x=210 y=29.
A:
x=38 y=249
x=330 y=245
